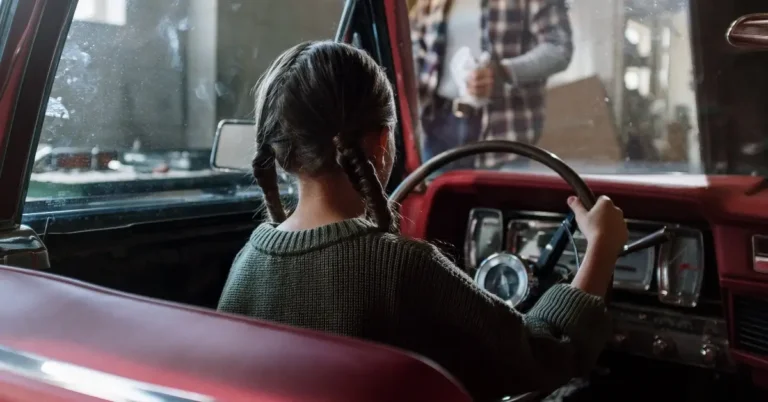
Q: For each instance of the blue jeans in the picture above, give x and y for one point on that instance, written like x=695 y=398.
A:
x=444 y=131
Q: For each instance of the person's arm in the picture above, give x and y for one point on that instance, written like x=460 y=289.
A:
x=491 y=348
x=549 y=24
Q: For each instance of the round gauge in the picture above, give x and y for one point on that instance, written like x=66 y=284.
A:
x=506 y=276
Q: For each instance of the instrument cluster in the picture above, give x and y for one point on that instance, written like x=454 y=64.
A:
x=661 y=305
x=497 y=242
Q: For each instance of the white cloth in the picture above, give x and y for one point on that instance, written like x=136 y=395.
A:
x=461 y=65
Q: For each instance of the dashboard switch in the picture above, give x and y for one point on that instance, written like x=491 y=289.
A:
x=619 y=340
x=760 y=254
x=663 y=347
x=710 y=354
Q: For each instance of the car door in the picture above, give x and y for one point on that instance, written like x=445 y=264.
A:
x=112 y=113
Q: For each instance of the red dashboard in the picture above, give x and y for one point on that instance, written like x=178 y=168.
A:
x=733 y=207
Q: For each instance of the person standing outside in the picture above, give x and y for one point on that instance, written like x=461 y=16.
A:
x=524 y=42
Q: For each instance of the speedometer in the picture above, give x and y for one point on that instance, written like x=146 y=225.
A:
x=506 y=276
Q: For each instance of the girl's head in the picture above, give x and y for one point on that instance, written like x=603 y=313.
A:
x=326 y=109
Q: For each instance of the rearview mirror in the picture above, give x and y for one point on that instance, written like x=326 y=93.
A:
x=234 y=145
x=749 y=32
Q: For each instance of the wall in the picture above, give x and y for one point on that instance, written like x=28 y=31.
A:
x=596 y=24
x=252 y=33
x=681 y=83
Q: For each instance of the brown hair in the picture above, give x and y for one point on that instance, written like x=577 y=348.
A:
x=314 y=106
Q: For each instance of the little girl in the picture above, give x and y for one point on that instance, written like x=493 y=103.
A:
x=325 y=112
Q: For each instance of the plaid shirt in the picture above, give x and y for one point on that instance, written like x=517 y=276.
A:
x=510 y=28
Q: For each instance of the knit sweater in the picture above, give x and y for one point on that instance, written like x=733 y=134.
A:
x=350 y=279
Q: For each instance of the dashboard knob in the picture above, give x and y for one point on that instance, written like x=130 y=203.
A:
x=662 y=347
x=709 y=353
x=619 y=340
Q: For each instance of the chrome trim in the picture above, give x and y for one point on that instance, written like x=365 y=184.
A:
x=21 y=247
x=666 y=279
x=217 y=139
x=346 y=19
x=636 y=327
x=90 y=382
x=760 y=254
x=749 y=31
x=474 y=224
x=527 y=280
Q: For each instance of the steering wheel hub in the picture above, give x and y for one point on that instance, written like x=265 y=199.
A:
x=507 y=276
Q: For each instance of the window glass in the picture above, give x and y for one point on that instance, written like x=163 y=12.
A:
x=607 y=85
x=142 y=84
x=101 y=11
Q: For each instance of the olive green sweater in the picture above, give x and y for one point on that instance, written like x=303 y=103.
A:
x=347 y=278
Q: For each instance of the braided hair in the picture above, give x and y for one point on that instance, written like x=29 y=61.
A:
x=315 y=106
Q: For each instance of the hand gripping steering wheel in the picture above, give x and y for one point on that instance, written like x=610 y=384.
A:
x=542 y=269
x=540 y=274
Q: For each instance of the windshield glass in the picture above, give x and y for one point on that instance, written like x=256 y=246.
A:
x=141 y=86
x=608 y=86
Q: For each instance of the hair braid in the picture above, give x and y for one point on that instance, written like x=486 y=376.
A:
x=267 y=127
x=265 y=172
x=362 y=175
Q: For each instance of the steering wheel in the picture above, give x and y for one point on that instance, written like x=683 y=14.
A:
x=538 y=275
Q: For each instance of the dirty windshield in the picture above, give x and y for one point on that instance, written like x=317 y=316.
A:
x=610 y=86
x=142 y=84
x=607 y=85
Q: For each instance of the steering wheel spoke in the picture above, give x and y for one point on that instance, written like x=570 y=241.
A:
x=552 y=252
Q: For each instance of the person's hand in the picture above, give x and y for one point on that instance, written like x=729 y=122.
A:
x=480 y=82
x=606 y=233
x=604 y=224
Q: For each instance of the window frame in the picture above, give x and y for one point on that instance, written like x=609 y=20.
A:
x=36 y=28
x=369 y=20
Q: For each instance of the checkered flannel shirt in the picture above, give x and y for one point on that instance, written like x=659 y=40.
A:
x=510 y=29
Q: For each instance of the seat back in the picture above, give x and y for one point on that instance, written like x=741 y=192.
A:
x=61 y=332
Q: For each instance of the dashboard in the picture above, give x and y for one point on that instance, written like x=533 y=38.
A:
x=662 y=308
x=725 y=329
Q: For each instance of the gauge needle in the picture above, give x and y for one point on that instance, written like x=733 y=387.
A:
x=678 y=255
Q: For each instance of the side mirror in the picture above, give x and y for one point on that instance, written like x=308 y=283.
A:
x=233 y=146
x=749 y=32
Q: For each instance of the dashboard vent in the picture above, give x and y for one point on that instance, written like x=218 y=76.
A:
x=750 y=317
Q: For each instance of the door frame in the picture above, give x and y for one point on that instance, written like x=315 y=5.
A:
x=37 y=31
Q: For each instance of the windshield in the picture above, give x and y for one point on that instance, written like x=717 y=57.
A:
x=141 y=86
x=608 y=86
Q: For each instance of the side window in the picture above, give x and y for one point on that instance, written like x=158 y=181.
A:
x=141 y=86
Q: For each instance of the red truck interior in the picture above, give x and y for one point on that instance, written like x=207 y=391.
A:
x=197 y=354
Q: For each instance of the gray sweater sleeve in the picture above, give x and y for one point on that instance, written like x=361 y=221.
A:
x=541 y=62
x=550 y=28
x=495 y=350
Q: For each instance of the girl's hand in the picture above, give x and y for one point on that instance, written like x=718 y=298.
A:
x=606 y=234
x=603 y=225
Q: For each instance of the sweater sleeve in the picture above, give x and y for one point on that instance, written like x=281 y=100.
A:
x=491 y=348
x=229 y=302
x=550 y=27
